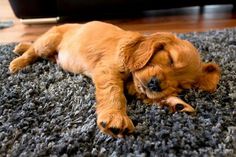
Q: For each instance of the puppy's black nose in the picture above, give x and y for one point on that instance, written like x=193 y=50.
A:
x=154 y=84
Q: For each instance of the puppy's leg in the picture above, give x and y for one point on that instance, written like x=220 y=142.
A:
x=111 y=104
x=44 y=47
x=21 y=48
x=27 y=58
x=176 y=104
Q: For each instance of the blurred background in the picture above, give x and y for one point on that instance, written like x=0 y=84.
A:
x=25 y=20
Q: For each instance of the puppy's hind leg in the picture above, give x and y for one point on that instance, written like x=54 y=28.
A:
x=44 y=47
x=21 y=48
x=27 y=58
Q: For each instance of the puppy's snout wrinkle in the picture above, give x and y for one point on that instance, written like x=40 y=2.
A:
x=154 y=84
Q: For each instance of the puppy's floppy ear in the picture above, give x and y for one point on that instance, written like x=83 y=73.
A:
x=209 y=77
x=136 y=50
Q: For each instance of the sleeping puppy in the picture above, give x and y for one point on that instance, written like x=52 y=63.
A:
x=160 y=65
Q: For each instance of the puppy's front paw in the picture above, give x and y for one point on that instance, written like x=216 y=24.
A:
x=115 y=123
x=176 y=104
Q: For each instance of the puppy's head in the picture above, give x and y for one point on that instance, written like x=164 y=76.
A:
x=163 y=65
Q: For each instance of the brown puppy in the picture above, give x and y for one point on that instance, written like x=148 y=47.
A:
x=160 y=65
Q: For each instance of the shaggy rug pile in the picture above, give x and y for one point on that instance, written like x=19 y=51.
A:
x=45 y=111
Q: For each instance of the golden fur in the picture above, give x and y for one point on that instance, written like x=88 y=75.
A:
x=160 y=65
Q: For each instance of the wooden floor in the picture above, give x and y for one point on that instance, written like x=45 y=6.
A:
x=173 y=20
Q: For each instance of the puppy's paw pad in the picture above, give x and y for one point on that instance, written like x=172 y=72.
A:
x=114 y=130
x=103 y=124
x=115 y=123
x=176 y=104
x=179 y=107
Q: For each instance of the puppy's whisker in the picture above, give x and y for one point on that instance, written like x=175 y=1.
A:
x=139 y=80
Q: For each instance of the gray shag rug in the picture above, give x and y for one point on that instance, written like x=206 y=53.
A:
x=45 y=111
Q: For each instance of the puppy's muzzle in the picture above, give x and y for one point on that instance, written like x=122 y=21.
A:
x=154 y=84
